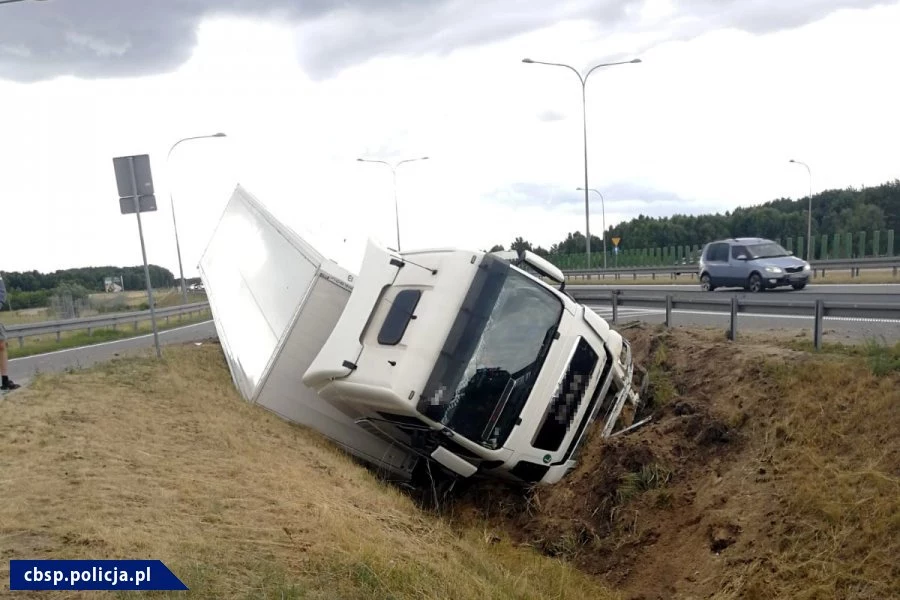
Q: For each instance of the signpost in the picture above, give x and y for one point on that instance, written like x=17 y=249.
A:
x=615 y=242
x=135 y=184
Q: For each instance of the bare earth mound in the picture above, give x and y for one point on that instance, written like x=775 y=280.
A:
x=765 y=473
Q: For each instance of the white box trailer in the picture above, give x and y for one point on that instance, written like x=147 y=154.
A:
x=275 y=300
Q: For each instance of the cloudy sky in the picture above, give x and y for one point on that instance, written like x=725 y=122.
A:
x=728 y=91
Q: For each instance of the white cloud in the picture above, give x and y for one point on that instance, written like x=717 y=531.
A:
x=97 y=47
x=710 y=123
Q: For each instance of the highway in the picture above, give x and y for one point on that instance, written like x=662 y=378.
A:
x=857 y=292
x=21 y=370
x=836 y=328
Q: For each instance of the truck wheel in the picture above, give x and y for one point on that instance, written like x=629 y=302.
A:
x=706 y=283
x=755 y=283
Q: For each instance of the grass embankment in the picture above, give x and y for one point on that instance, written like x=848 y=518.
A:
x=767 y=472
x=137 y=299
x=75 y=339
x=145 y=459
x=103 y=304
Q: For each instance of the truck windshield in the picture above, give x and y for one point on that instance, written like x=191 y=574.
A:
x=492 y=355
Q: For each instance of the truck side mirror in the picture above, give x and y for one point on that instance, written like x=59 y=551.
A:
x=742 y=257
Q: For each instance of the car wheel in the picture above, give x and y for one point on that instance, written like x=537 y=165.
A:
x=798 y=286
x=706 y=284
x=755 y=283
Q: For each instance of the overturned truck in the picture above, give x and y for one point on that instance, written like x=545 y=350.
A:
x=462 y=360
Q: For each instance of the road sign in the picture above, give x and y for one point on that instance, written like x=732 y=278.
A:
x=136 y=189
x=145 y=203
x=615 y=249
x=143 y=179
x=615 y=241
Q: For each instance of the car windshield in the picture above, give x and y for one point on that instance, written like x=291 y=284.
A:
x=492 y=355
x=766 y=250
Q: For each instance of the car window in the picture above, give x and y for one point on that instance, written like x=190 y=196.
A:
x=718 y=252
x=738 y=251
x=767 y=250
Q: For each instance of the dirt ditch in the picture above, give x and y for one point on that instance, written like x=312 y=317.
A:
x=701 y=502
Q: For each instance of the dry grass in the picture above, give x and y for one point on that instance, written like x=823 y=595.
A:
x=137 y=299
x=137 y=459
x=118 y=302
x=22 y=317
x=837 y=449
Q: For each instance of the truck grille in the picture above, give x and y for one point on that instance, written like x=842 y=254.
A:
x=567 y=400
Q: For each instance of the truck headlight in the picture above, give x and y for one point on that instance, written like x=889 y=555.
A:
x=773 y=269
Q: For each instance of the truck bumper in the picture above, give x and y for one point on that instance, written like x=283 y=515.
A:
x=623 y=376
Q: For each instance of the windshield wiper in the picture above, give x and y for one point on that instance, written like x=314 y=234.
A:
x=498 y=409
x=545 y=345
x=539 y=357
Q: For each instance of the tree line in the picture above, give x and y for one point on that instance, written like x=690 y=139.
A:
x=31 y=289
x=849 y=210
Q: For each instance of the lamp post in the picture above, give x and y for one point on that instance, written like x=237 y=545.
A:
x=603 y=208
x=583 y=81
x=172 y=204
x=809 y=212
x=394 y=173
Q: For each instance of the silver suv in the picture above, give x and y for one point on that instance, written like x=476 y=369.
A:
x=751 y=263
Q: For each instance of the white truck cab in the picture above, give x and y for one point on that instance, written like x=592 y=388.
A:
x=468 y=360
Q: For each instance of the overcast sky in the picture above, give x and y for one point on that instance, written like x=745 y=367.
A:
x=728 y=91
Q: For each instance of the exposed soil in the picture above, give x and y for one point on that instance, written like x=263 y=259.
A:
x=688 y=506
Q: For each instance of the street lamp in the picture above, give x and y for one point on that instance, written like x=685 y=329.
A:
x=603 y=207
x=583 y=81
x=809 y=215
x=394 y=172
x=172 y=204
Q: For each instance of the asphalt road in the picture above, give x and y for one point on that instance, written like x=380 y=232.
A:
x=836 y=328
x=21 y=370
x=876 y=293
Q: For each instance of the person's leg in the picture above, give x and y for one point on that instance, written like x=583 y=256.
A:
x=5 y=383
x=4 y=361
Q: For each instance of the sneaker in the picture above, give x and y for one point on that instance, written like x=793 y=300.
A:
x=9 y=387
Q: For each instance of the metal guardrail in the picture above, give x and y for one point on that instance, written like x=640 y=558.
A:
x=853 y=264
x=817 y=309
x=100 y=321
